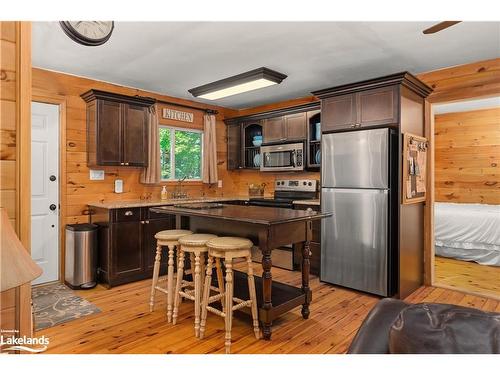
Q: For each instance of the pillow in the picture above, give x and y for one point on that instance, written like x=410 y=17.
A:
x=433 y=328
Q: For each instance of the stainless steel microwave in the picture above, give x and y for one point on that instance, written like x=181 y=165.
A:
x=282 y=157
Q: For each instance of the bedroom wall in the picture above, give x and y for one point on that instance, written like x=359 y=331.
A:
x=467 y=156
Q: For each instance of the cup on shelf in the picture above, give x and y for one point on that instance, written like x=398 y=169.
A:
x=318 y=131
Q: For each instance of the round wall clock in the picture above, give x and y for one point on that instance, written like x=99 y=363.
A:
x=88 y=33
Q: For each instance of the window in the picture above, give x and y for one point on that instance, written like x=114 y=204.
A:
x=181 y=153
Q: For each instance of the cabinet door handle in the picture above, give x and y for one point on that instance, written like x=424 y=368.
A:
x=358 y=125
x=353 y=125
x=122 y=163
x=126 y=163
x=128 y=213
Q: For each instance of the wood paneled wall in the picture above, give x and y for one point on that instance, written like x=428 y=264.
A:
x=467 y=164
x=77 y=187
x=79 y=190
x=466 y=81
x=15 y=93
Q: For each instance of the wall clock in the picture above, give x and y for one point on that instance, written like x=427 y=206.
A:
x=88 y=33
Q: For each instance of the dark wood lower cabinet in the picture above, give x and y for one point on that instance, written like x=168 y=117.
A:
x=126 y=253
x=127 y=244
x=150 y=228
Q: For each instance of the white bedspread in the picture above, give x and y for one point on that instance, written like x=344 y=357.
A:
x=468 y=232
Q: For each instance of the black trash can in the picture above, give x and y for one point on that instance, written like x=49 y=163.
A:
x=81 y=256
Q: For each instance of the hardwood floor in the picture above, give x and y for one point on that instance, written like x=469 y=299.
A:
x=125 y=324
x=468 y=276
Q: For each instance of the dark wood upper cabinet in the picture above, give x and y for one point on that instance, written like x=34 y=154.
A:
x=234 y=146
x=291 y=127
x=135 y=135
x=107 y=130
x=277 y=126
x=274 y=130
x=338 y=112
x=296 y=126
x=370 y=103
x=378 y=106
x=117 y=129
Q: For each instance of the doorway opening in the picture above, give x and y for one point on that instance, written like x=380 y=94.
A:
x=467 y=196
x=45 y=206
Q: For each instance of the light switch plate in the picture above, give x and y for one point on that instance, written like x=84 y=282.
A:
x=219 y=183
x=118 y=186
x=96 y=174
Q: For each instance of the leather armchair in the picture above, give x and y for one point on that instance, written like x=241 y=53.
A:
x=394 y=326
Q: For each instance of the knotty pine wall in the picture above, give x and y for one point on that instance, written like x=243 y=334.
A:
x=79 y=190
x=15 y=93
x=467 y=157
x=8 y=149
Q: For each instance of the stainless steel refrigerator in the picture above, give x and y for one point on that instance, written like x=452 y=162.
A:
x=358 y=242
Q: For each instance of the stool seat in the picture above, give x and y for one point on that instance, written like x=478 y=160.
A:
x=172 y=234
x=229 y=243
x=197 y=239
x=228 y=249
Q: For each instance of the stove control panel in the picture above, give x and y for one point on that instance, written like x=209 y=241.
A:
x=296 y=185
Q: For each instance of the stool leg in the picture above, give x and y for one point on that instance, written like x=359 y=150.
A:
x=202 y=270
x=170 y=282
x=156 y=272
x=229 y=303
x=206 y=296
x=197 y=293
x=180 y=274
x=253 y=297
x=220 y=281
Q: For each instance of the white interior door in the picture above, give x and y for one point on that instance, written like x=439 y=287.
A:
x=45 y=190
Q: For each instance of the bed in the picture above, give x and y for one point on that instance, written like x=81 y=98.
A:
x=468 y=232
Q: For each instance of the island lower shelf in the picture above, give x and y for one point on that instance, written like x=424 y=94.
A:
x=284 y=297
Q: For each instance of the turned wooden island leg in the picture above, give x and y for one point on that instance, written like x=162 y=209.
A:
x=306 y=265
x=267 y=283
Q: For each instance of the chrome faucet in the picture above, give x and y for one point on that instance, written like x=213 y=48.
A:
x=178 y=193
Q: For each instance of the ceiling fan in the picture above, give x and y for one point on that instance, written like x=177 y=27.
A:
x=440 y=26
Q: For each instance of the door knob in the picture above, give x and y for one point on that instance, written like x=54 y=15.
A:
x=52 y=178
x=52 y=207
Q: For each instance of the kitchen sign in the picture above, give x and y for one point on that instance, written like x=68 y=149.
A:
x=173 y=114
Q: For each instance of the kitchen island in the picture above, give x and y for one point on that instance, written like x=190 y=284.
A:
x=267 y=228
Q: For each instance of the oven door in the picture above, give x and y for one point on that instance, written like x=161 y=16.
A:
x=282 y=157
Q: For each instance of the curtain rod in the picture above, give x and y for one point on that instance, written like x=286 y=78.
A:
x=206 y=110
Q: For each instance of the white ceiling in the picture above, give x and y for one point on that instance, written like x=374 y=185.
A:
x=172 y=57
x=467 y=105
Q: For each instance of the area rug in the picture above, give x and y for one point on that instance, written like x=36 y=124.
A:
x=56 y=303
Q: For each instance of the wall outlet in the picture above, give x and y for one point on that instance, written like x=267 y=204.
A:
x=118 y=186
x=219 y=183
x=96 y=175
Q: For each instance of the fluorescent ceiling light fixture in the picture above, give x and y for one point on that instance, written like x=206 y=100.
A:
x=244 y=82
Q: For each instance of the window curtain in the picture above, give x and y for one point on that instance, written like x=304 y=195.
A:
x=151 y=174
x=209 y=150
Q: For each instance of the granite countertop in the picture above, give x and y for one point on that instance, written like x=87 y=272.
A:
x=251 y=214
x=168 y=202
x=311 y=202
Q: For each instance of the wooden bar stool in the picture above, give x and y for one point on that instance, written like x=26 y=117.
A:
x=227 y=249
x=170 y=239
x=194 y=244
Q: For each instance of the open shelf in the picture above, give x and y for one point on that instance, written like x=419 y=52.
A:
x=314 y=140
x=250 y=151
